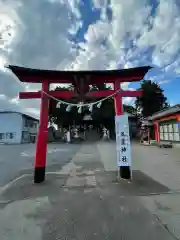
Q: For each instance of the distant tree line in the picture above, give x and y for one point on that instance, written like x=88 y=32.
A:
x=151 y=101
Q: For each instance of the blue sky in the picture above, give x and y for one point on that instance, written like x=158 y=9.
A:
x=171 y=85
x=88 y=35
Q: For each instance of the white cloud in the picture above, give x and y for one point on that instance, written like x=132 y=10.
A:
x=128 y=100
x=100 y=3
x=177 y=70
x=130 y=34
x=174 y=66
x=72 y=5
x=129 y=17
x=105 y=46
x=43 y=42
x=75 y=27
x=165 y=33
x=3 y=62
x=164 y=82
x=98 y=32
x=35 y=34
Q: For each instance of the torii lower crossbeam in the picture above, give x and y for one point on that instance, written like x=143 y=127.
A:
x=69 y=95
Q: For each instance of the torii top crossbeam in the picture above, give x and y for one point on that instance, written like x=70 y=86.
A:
x=30 y=75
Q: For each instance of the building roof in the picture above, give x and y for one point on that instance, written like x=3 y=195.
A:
x=166 y=112
x=25 y=115
x=101 y=76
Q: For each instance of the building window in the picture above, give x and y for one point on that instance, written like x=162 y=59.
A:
x=176 y=132
x=2 y=136
x=169 y=131
x=28 y=123
x=25 y=122
x=10 y=135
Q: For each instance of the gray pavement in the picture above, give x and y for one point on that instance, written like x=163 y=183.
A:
x=15 y=159
x=82 y=199
x=163 y=166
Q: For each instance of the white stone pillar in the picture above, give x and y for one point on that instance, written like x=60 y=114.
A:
x=68 y=137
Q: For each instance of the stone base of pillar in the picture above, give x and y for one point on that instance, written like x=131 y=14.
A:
x=125 y=172
x=39 y=174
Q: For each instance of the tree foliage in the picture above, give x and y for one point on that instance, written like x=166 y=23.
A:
x=152 y=100
x=129 y=109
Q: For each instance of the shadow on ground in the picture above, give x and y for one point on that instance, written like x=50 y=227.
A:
x=105 y=210
x=106 y=182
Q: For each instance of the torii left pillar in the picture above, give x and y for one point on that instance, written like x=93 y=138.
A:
x=41 y=148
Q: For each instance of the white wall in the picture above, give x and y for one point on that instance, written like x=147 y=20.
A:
x=11 y=123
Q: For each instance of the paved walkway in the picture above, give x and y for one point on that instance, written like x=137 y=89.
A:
x=83 y=200
x=161 y=165
x=14 y=158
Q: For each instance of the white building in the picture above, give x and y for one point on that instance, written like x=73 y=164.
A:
x=16 y=127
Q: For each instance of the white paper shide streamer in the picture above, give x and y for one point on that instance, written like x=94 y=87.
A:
x=80 y=105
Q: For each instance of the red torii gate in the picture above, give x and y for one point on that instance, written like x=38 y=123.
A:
x=81 y=81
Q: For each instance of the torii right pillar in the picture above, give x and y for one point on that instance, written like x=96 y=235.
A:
x=124 y=171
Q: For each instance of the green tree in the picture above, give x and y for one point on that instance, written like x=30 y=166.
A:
x=152 y=99
x=129 y=109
